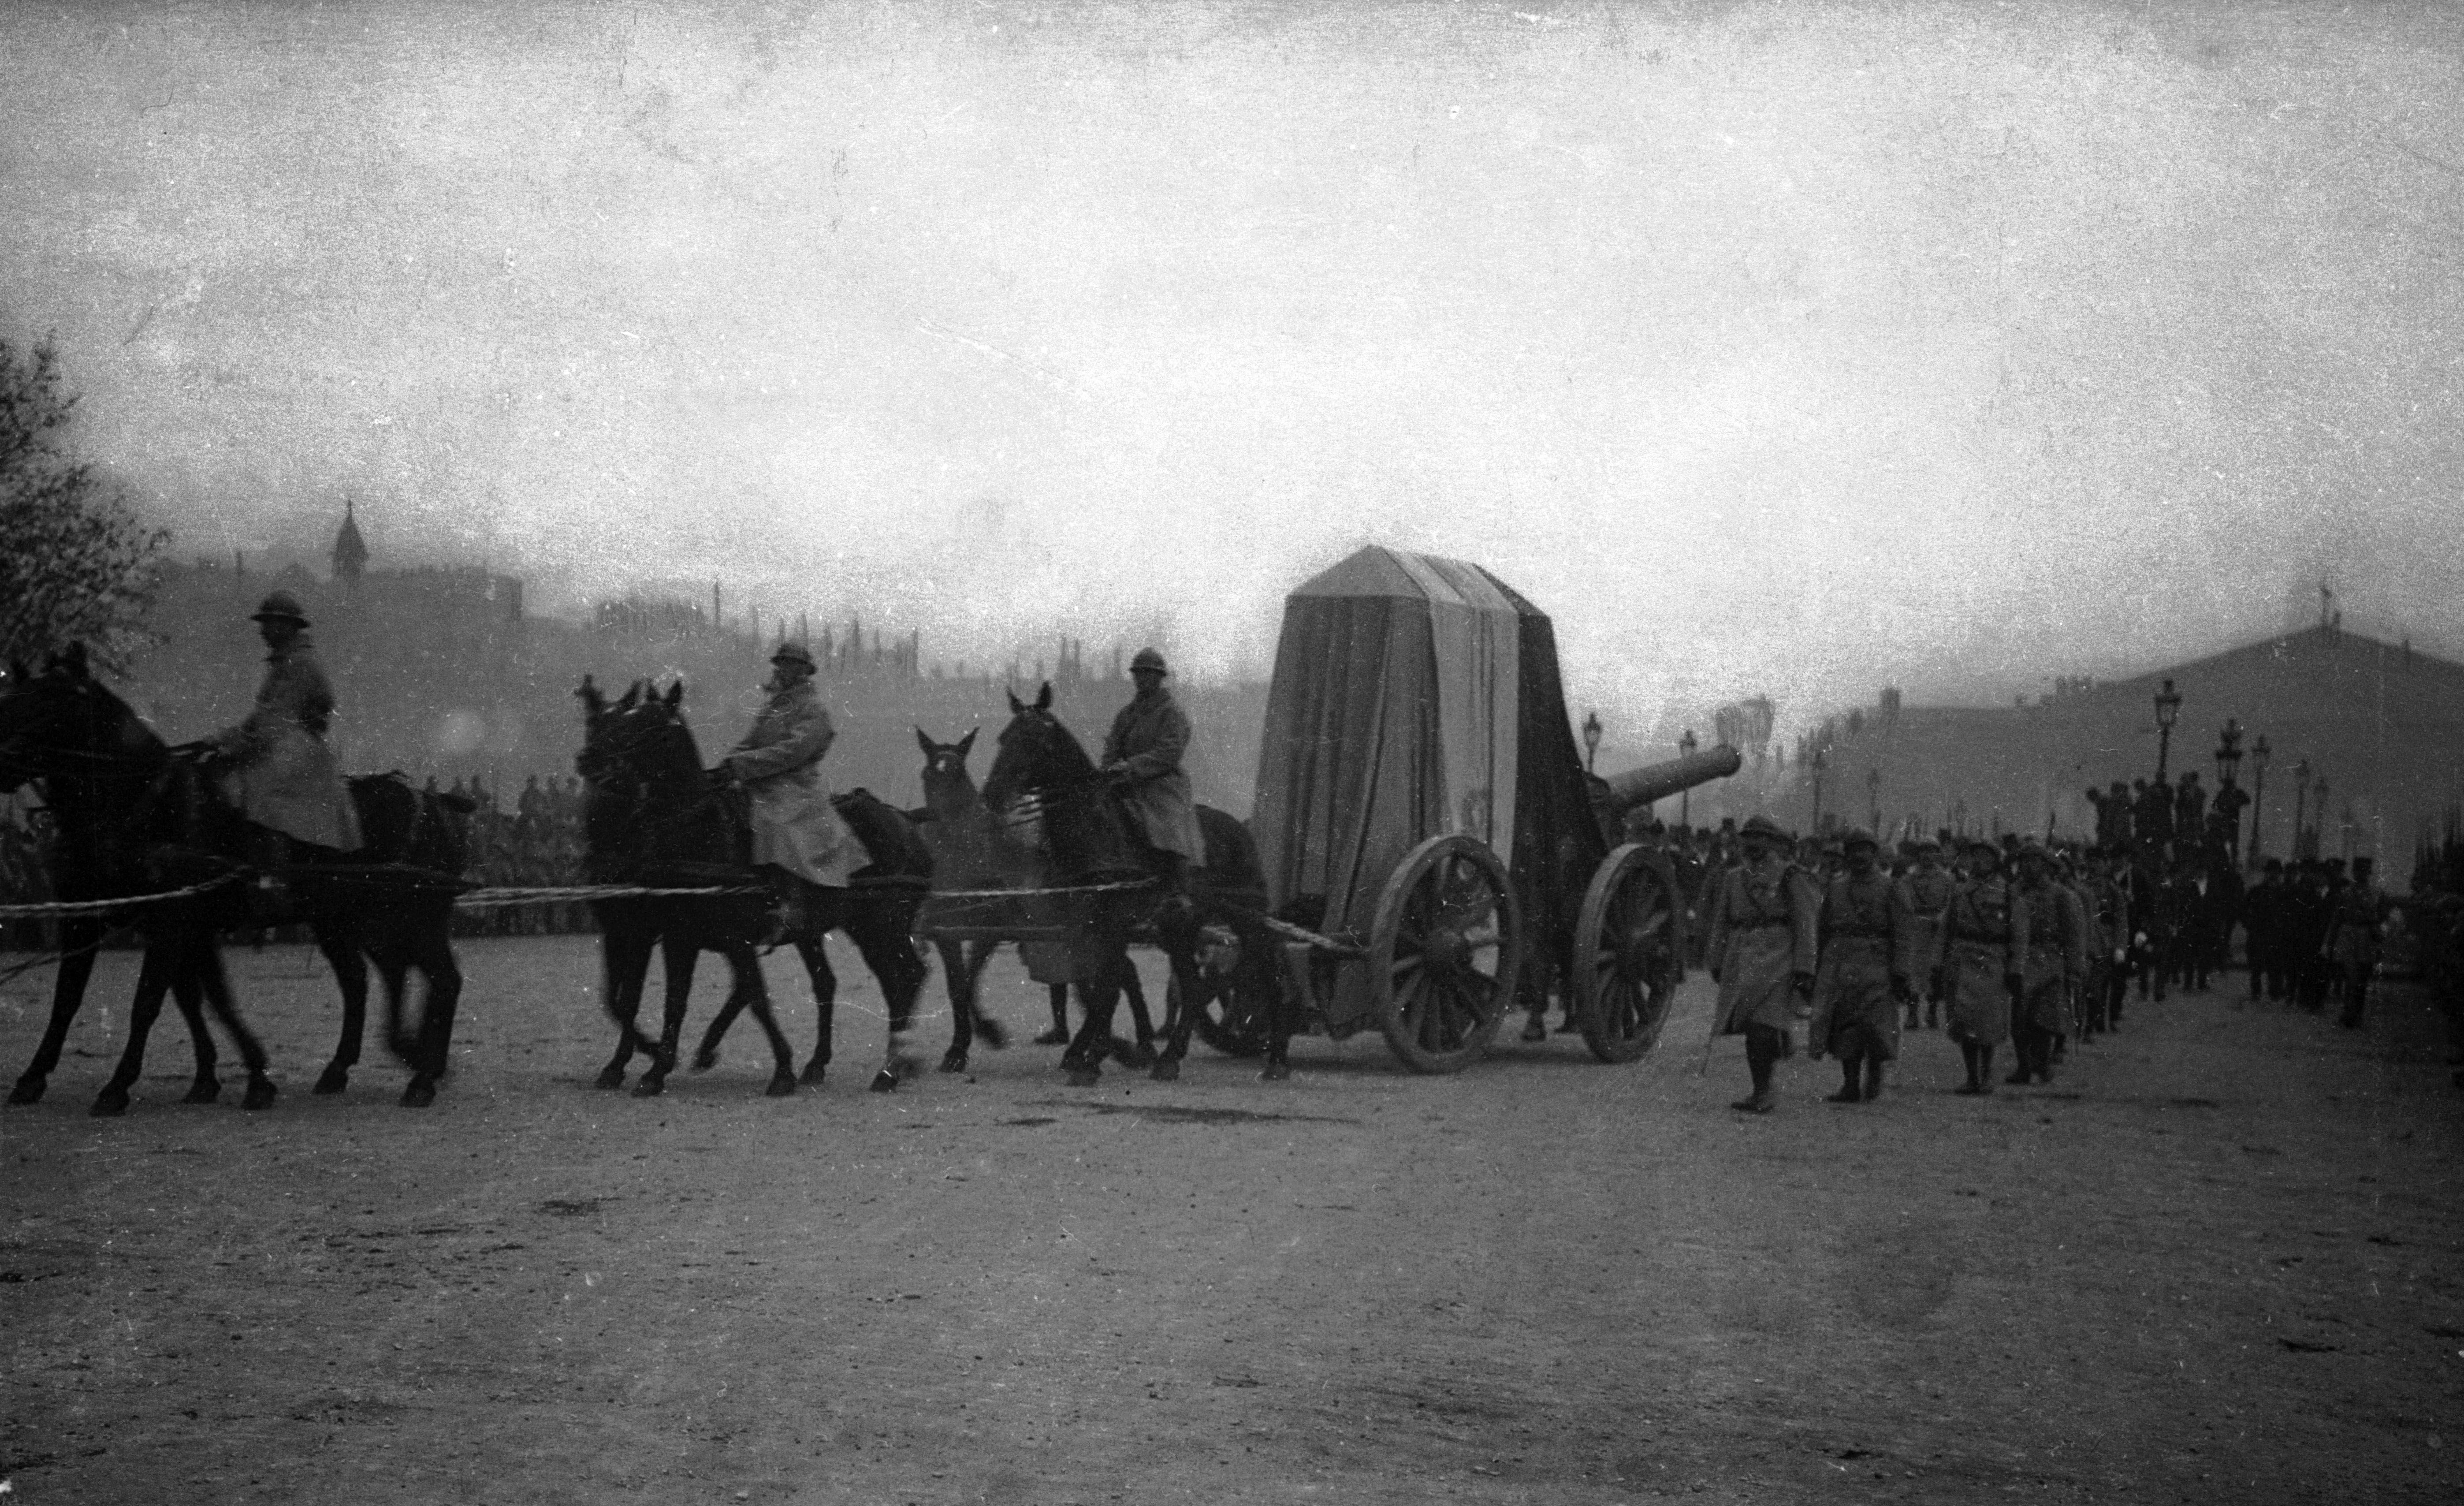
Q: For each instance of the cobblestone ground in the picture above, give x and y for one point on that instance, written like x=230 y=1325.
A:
x=2219 y=1260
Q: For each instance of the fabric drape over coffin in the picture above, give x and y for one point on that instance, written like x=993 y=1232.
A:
x=1394 y=716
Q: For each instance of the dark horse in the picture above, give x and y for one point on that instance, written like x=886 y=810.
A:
x=652 y=817
x=969 y=853
x=1043 y=783
x=136 y=817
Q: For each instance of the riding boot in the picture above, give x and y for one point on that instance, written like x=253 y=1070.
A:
x=1851 y=1072
x=2022 y=1049
x=1873 y=1078
x=1972 y=1055
x=1985 y=1071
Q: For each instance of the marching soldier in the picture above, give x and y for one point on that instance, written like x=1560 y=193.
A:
x=2361 y=913
x=796 y=834
x=1982 y=962
x=1863 y=971
x=2047 y=915
x=1925 y=891
x=1142 y=755
x=1762 y=950
x=282 y=776
x=2262 y=921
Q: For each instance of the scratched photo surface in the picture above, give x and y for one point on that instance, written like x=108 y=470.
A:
x=1900 y=393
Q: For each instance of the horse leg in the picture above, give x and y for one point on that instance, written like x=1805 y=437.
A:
x=996 y=1035
x=1179 y=933
x=153 y=980
x=187 y=995
x=749 y=985
x=431 y=951
x=624 y=968
x=824 y=985
x=339 y=942
x=706 y=1054
x=880 y=934
x=78 y=937
x=963 y=1004
x=680 y=955
x=206 y=958
x=1260 y=975
x=1084 y=1061
x=1143 y=1052
x=1059 y=1034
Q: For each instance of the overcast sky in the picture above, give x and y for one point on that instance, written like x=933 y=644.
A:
x=1795 y=349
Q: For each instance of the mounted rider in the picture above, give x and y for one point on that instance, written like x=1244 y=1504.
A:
x=1142 y=758
x=796 y=834
x=282 y=776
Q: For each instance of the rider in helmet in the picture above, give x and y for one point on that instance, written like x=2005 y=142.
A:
x=796 y=834
x=282 y=775
x=1142 y=757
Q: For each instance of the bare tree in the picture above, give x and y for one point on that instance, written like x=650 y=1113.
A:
x=75 y=562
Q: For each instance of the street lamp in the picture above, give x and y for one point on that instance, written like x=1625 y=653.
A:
x=1591 y=739
x=2229 y=796
x=2169 y=705
x=2258 y=754
x=1822 y=761
x=1873 y=798
x=2317 y=812
x=1686 y=747
x=2300 y=799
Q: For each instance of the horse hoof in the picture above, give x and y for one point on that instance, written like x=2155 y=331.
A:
x=813 y=1071
x=110 y=1103
x=419 y=1094
x=331 y=1081
x=404 y=1047
x=992 y=1032
x=649 y=1088
x=955 y=1062
x=704 y=1061
x=1165 y=1069
x=259 y=1094
x=205 y=1090
x=884 y=1081
x=1535 y=1030
x=29 y=1090
x=1053 y=1038
x=781 y=1086
x=1083 y=1075
x=611 y=1078
x=1275 y=1071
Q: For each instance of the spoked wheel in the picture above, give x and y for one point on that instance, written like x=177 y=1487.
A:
x=1443 y=953
x=1625 y=955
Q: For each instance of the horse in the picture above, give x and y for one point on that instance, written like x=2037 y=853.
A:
x=651 y=816
x=968 y=853
x=1041 y=781
x=137 y=817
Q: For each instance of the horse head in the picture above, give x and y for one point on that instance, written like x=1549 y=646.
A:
x=64 y=725
x=949 y=790
x=1036 y=754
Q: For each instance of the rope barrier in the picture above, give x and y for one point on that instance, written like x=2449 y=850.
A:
x=1028 y=893
x=75 y=907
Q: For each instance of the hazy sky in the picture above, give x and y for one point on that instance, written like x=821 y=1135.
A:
x=1789 y=347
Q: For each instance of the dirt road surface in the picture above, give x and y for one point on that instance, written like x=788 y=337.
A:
x=2221 y=1259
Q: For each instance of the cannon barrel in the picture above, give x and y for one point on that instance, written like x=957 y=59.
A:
x=1639 y=787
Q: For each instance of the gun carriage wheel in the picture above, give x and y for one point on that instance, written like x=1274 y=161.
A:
x=1626 y=962
x=1444 y=949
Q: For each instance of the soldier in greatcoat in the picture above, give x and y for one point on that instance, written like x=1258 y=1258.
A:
x=1926 y=888
x=797 y=833
x=2262 y=921
x=282 y=776
x=1981 y=963
x=1142 y=757
x=1762 y=948
x=2359 y=921
x=1861 y=972
x=2048 y=918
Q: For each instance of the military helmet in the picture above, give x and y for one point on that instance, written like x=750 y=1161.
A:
x=1148 y=659
x=1766 y=828
x=1977 y=844
x=279 y=607
x=790 y=652
x=1858 y=838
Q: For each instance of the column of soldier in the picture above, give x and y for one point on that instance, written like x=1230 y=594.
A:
x=536 y=845
x=2010 y=942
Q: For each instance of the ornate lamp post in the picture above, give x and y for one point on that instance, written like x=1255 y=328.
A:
x=2229 y=796
x=2259 y=755
x=2169 y=705
x=1822 y=761
x=2317 y=812
x=1874 y=799
x=1686 y=747
x=1591 y=739
x=2300 y=799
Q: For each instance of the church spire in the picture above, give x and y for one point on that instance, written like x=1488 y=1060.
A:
x=350 y=551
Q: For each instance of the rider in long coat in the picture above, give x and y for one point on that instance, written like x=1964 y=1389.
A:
x=283 y=775
x=1762 y=950
x=1143 y=753
x=795 y=828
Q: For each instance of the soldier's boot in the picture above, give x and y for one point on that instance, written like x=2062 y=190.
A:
x=2060 y=1051
x=1762 y=1053
x=1933 y=1014
x=1910 y=1023
x=1851 y=1071
x=2021 y=1052
x=2356 y=992
x=1873 y=1078
x=1973 y=1057
x=1985 y=1071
